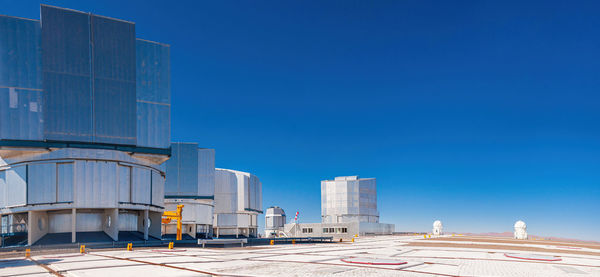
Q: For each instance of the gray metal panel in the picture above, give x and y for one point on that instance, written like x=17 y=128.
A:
x=16 y=182
x=158 y=189
x=66 y=74
x=206 y=172
x=20 y=79
x=153 y=94
x=172 y=171
x=124 y=183
x=96 y=184
x=65 y=177
x=20 y=53
x=140 y=190
x=182 y=170
x=41 y=183
x=153 y=72
x=114 y=93
x=59 y=222
x=3 y=187
x=89 y=222
x=153 y=125
x=21 y=114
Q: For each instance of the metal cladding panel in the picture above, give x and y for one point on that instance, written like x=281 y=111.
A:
x=21 y=116
x=114 y=93
x=96 y=184
x=3 y=187
x=172 y=171
x=128 y=221
x=20 y=79
x=206 y=172
x=41 y=183
x=140 y=188
x=153 y=72
x=66 y=74
x=153 y=94
x=66 y=178
x=20 y=53
x=243 y=192
x=188 y=169
x=158 y=189
x=89 y=222
x=124 y=183
x=153 y=125
x=59 y=222
x=225 y=192
x=16 y=182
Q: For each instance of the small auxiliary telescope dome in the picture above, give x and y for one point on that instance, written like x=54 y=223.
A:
x=520 y=230
x=437 y=228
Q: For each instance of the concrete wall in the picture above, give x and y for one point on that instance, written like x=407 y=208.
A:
x=111 y=223
x=37 y=226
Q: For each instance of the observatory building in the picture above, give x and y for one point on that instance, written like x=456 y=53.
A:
x=274 y=221
x=191 y=182
x=437 y=228
x=238 y=201
x=84 y=128
x=520 y=230
x=348 y=208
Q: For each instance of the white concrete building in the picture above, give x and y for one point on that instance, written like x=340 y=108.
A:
x=348 y=208
x=437 y=228
x=238 y=201
x=190 y=181
x=520 y=230
x=274 y=222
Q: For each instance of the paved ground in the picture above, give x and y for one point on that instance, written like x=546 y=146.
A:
x=423 y=257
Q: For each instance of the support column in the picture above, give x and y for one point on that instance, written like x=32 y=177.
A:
x=37 y=226
x=73 y=225
x=146 y=227
x=111 y=223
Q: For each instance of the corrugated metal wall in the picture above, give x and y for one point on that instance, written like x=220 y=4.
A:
x=153 y=85
x=20 y=79
x=114 y=97
x=206 y=172
x=66 y=74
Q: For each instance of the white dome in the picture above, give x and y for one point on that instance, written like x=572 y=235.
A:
x=520 y=224
x=437 y=224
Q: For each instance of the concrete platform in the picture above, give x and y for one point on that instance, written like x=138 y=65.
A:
x=462 y=259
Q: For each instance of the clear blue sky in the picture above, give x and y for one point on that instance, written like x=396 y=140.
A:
x=477 y=113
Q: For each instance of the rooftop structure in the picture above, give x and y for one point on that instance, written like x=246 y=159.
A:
x=84 y=128
x=348 y=208
x=238 y=201
x=274 y=221
x=191 y=182
x=349 y=199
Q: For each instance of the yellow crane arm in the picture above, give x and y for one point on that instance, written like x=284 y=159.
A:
x=174 y=215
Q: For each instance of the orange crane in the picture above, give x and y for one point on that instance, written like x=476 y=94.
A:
x=174 y=215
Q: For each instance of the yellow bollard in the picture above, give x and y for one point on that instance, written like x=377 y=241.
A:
x=424 y=236
x=130 y=247
x=293 y=241
x=356 y=235
x=171 y=245
x=429 y=236
x=27 y=253
x=82 y=249
x=352 y=239
x=272 y=242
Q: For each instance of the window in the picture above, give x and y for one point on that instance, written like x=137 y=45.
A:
x=325 y=230
x=307 y=230
x=344 y=230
